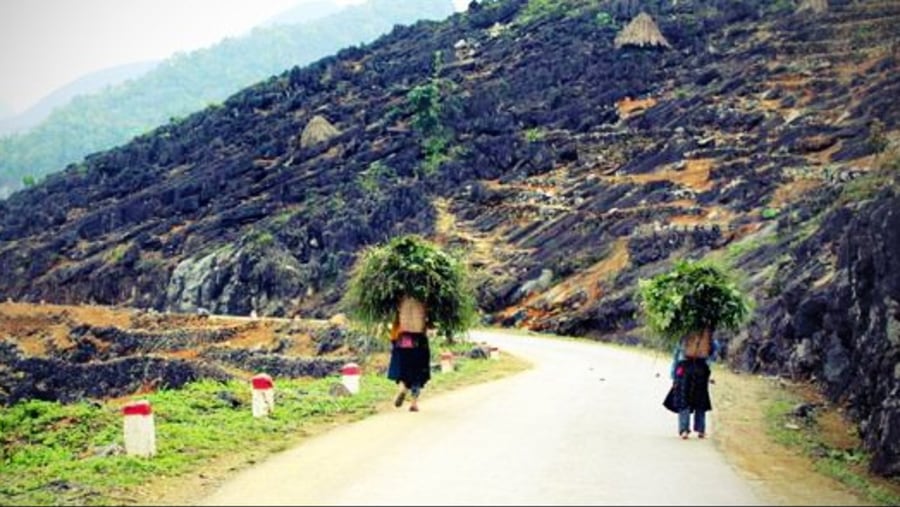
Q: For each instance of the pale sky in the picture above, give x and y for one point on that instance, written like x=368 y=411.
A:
x=45 y=44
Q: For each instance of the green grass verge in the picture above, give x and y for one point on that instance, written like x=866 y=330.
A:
x=50 y=453
x=805 y=435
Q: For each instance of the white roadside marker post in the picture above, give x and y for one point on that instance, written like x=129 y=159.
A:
x=263 y=395
x=446 y=362
x=350 y=377
x=140 y=432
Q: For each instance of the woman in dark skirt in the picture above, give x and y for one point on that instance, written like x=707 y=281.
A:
x=690 y=384
x=410 y=365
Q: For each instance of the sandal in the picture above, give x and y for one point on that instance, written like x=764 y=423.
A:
x=398 y=401
x=684 y=435
x=413 y=408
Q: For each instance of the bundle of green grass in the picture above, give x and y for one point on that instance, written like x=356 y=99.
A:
x=410 y=266
x=691 y=298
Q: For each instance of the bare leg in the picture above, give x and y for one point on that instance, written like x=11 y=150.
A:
x=401 y=395
x=414 y=404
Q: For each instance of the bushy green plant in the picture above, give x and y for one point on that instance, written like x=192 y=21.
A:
x=769 y=213
x=605 y=19
x=117 y=254
x=427 y=106
x=534 y=135
x=411 y=266
x=425 y=101
x=261 y=239
x=536 y=9
x=435 y=151
x=691 y=297
x=376 y=174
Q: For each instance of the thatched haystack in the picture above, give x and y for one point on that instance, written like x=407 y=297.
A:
x=318 y=130
x=642 y=32
x=814 y=6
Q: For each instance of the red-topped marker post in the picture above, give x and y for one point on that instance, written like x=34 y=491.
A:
x=140 y=431
x=350 y=374
x=263 y=395
x=446 y=362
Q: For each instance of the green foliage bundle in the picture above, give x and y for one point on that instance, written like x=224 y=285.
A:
x=411 y=266
x=693 y=296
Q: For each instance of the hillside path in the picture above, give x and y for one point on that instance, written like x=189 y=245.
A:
x=585 y=426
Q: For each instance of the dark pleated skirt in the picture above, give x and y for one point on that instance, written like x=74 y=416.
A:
x=411 y=365
x=691 y=387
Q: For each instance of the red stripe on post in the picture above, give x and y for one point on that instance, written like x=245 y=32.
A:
x=350 y=369
x=137 y=408
x=262 y=382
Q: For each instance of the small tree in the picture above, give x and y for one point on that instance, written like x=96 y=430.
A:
x=425 y=101
x=693 y=297
x=411 y=266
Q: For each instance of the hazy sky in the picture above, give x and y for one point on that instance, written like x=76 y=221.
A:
x=45 y=44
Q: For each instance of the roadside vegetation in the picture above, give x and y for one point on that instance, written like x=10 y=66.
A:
x=785 y=435
x=829 y=442
x=54 y=454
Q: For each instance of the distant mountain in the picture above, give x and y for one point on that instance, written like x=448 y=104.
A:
x=189 y=82
x=5 y=111
x=11 y=123
x=89 y=83
x=304 y=13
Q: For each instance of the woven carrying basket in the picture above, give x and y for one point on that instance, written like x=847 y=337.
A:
x=412 y=315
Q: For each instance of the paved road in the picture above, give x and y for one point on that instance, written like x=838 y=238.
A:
x=584 y=427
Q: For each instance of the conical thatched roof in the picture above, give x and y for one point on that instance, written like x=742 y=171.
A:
x=317 y=130
x=816 y=6
x=641 y=31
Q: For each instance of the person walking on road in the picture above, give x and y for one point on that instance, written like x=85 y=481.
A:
x=690 y=375
x=410 y=363
x=405 y=289
x=684 y=307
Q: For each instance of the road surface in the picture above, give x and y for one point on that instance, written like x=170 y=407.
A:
x=585 y=426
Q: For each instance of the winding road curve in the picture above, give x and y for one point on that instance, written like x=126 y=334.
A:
x=585 y=426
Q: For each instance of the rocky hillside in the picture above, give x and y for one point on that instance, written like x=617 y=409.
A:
x=566 y=160
x=69 y=353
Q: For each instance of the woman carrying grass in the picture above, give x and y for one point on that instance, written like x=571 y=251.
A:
x=684 y=307
x=410 y=365
x=413 y=284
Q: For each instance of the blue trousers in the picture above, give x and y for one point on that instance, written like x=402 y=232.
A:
x=684 y=421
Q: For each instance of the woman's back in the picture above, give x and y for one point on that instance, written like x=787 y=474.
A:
x=412 y=315
x=698 y=345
